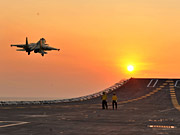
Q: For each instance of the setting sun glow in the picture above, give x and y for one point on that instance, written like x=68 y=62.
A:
x=130 y=68
x=101 y=42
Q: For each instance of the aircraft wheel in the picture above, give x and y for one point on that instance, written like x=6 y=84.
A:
x=42 y=54
x=28 y=53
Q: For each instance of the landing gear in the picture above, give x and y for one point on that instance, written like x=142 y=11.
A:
x=28 y=53
x=42 y=54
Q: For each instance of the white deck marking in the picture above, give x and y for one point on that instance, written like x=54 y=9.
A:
x=166 y=110
x=151 y=82
x=14 y=123
x=155 y=83
x=176 y=84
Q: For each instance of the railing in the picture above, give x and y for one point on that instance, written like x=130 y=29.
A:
x=83 y=98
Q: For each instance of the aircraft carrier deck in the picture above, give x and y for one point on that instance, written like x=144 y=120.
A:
x=145 y=107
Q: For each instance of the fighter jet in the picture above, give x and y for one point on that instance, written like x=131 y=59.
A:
x=39 y=47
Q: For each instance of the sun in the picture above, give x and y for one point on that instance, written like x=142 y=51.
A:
x=130 y=68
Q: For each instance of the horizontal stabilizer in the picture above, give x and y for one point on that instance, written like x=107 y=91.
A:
x=20 y=50
x=21 y=46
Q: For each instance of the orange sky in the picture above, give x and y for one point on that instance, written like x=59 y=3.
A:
x=97 y=38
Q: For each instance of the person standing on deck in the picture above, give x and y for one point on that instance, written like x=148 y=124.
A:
x=114 y=101
x=104 y=101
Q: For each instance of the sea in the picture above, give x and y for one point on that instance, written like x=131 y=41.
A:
x=29 y=98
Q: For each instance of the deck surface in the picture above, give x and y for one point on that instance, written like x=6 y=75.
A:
x=145 y=107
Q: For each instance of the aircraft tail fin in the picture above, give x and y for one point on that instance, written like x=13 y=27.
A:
x=27 y=43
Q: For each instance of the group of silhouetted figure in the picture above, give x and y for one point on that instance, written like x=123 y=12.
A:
x=104 y=101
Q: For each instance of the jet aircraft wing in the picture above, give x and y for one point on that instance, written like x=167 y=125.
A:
x=20 y=50
x=48 y=48
x=20 y=46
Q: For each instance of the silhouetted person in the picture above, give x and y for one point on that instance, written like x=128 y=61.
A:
x=104 y=101
x=114 y=101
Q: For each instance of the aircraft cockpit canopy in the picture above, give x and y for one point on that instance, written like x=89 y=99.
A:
x=43 y=40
